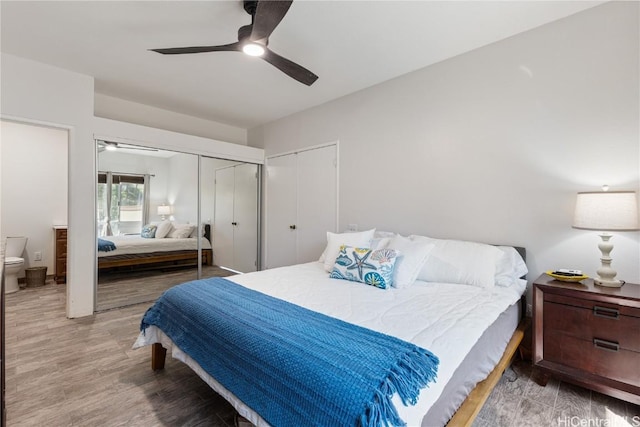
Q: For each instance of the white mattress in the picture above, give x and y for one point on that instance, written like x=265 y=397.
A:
x=447 y=319
x=134 y=244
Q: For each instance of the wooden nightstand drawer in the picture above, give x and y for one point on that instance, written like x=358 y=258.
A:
x=596 y=357
x=599 y=322
x=602 y=309
x=588 y=335
x=61 y=248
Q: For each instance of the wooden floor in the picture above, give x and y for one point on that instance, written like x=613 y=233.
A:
x=83 y=372
x=122 y=289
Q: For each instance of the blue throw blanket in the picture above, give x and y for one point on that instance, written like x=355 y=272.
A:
x=293 y=366
x=105 y=245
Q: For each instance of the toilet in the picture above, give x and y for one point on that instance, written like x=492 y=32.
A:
x=13 y=263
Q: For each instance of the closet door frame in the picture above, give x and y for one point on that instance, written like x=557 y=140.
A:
x=265 y=237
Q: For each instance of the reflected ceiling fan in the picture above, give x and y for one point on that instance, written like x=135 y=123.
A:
x=113 y=146
x=254 y=38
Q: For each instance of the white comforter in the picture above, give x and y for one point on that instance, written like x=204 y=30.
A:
x=134 y=244
x=447 y=319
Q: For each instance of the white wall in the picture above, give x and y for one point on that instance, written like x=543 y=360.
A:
x=118 y=109
x=35 y=92
x=34 y=187
x=494 y=144
x=32 y=91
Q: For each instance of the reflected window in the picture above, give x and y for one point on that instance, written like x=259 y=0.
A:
x=121 y=204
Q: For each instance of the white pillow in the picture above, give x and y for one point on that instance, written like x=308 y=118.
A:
x=380 y=242
x=164 y=228
x=182 y=231
x=413 y=254
x=456 y=261
x=361 y=239
x=378 y=234
x=510 y=267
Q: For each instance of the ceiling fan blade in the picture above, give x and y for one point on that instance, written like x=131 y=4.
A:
x=291 y=69
x=199 y=49
x=268 y=15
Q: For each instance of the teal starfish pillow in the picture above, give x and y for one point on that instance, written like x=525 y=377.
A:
x=373 y=267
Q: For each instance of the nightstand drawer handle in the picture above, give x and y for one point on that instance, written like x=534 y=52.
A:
x=609 y=313
x=606 y=345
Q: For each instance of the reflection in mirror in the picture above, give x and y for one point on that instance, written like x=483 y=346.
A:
x=143 y=249
x=229 y=202
x=147 y=216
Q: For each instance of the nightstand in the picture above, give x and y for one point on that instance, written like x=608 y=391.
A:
x=588 y=335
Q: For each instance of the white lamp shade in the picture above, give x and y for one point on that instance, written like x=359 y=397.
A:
x=164 y=210
x=606 y=210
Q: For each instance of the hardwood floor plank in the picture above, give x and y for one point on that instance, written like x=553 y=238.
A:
x=83 y=372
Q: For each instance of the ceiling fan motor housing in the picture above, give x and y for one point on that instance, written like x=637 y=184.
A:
x=250 y=6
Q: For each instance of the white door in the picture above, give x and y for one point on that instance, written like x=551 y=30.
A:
x=223 y=218
x=302 y=200
x=281 y=211
x=245 y=218
x=317 y=201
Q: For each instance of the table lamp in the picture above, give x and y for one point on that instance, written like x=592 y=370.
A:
x=606 y=211
x=163 y=211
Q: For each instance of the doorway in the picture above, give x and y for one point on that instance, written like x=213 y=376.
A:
x=33 y=189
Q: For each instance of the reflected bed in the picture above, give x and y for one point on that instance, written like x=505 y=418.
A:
x=136 y=253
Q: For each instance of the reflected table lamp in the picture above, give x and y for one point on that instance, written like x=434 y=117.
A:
x=163 y=211
x=606 y=211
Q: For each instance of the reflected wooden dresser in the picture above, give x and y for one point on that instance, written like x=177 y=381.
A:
x=60 y=253
x=588 y=335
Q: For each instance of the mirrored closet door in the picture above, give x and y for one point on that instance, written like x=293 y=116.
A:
x=147 y=221
x=230 y=194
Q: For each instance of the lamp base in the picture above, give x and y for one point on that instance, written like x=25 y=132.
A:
x=608 y=283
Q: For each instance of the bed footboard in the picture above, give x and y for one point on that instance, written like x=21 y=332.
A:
x=158 y=356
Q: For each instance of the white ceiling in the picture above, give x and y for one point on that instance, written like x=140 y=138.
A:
x=350 y=45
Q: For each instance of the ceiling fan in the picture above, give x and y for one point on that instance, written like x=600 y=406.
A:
x=254 y=38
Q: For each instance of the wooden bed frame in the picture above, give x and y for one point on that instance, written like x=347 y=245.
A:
x=157 y=260
x=469 y=409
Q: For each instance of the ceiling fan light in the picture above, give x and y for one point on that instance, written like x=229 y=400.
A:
x=253 y=49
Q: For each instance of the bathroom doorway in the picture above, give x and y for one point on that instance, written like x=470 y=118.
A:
x=33 y=189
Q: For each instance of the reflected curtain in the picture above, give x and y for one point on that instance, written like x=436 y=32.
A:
x=147 y=199
x=107 y=231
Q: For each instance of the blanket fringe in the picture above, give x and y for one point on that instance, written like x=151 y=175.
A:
x=381 y=411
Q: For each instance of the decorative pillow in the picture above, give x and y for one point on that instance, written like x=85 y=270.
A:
x=510 y=267
x=414 y=255
x=164 y=228
x=365 y=265
x=149 y=231
x=182 y=231
x=456 y=261
x=335 y=241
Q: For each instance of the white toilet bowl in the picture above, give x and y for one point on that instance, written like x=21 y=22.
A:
x=13 y=263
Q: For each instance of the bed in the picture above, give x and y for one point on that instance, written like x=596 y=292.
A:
x=134 y=252
x=472 y=329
